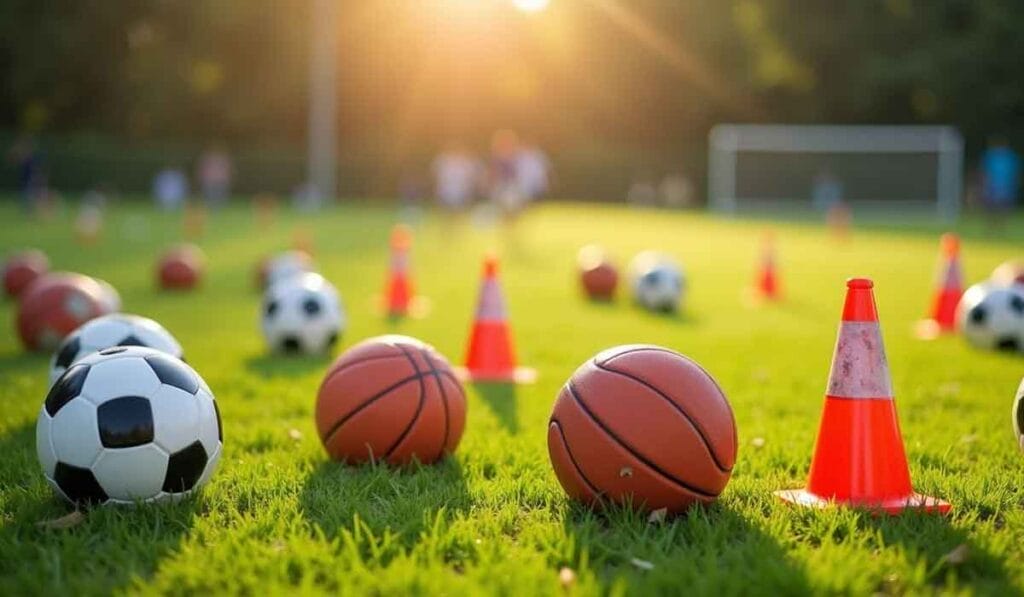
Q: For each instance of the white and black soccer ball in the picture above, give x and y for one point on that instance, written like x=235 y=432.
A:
x=992 y=317
x=1018 y=416
x=109 y=331
x=658 y=283
x=128 y=425
x=302 y=314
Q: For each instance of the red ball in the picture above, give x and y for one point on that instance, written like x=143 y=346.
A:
x=22 y=269
x=181 y=268
x=55 y=305
x=391 y=398
x=645 y=425
x=600 y=281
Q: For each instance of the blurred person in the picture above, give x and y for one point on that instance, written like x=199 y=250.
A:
x=215 y=172
x=1000 y=179
x=532 y=170
x=30 y=162
x=456 y=177
x=642 y=192
x=826 y=191
x=170 y=188
x=503 y=176
x=676 y=191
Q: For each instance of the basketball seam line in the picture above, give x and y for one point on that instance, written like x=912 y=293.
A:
x=572 y=459
x=696 y=427
x=347 y=366
x=444 y=399
x=419 y=405
x=636 y=454
x=334 y=428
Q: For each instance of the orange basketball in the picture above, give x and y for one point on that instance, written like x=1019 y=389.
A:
x=642 y=424
x=180 y=268
x=598 y=274
x=390 y=398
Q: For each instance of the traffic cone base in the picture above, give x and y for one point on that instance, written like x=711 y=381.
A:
x=915 y=501
x=518 y=375
x=949 y=288
x=417 y=307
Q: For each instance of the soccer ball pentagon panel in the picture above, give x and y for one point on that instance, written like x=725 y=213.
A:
x=108 y=331
x=992 y=317
x=302 y=314
x=128 y=425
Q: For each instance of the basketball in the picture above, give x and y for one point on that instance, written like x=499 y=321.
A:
x=643 y=425
x=598 y=274
x=181 y=268
x=22 y=269
x=392 y=399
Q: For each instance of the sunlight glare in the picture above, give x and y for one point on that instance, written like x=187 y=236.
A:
x=531 y=5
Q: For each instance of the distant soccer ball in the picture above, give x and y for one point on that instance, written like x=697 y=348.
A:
x=21 y=269
x=127 y=425
x=993 y=317
x=658 y=283
x=283 y=266
x=109 y=331
x=180 y=267
x=55 y=305
x=302 y=314
x=1018 y=415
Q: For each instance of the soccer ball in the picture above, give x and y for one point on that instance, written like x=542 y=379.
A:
x=302 y=314
x=108 y=331
x=55 y=305
x=993 y=317
x=658 y=283
x=283 y=266
x=1018 y=415
x=128 y=425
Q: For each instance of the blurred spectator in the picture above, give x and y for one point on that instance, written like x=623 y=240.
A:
x=170 y=188
x=1000 y=176
x=643 y=192
x=28 y=158
x=827 y=191
x=503 y=179
x=215 y=172
x=532 y=169
x=676 y=191
x=456 y=175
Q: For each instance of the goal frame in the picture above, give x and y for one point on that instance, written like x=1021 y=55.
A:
x=727 y=140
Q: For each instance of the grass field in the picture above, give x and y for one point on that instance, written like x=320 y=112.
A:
x=279 y=517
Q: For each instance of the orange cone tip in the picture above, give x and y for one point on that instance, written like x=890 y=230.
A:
x=859 y=459
x=490 y=353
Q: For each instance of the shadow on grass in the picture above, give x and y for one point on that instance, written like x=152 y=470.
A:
x=676 y=317
x=501 y=399
x=948 y=552
x=384 y=510
x=281 y=365
x=21 y=360
x=709 y=550
x=113 y=548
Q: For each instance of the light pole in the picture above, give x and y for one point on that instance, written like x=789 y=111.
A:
x=323 y=100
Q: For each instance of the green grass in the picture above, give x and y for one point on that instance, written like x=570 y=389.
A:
x=279 y=517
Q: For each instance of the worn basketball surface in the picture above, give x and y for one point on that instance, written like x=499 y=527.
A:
x=391 y=398
x=644 y=425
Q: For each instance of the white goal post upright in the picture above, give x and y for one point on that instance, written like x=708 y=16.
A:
x=732 y=145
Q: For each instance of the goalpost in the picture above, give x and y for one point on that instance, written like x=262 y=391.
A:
x=894 y=169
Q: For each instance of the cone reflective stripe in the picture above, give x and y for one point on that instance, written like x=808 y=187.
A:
x=949 y=285
x=859 y=458
x=490 y=355
x=399 y=292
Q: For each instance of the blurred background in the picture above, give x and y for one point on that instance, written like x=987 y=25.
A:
x=617 y=93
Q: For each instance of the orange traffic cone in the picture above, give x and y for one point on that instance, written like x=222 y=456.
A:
x=767 y=282
x=490 y=355
x=398 y=292
x=950 y=284
x=859 y=459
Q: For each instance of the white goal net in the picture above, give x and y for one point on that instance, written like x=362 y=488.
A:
x=895 y=169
